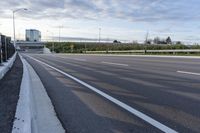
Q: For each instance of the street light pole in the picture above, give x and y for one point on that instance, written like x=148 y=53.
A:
x=99 y=35
x=14 y=28
x=52 y=46
x=14 y=11
x=59 y=31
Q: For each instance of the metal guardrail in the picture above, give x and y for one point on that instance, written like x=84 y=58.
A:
x=176 y=51
x=148 y=51
x=7 y=49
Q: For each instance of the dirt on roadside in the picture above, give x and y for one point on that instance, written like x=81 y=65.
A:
x=9 y=95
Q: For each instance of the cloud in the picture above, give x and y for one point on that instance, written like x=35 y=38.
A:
x=133 y=10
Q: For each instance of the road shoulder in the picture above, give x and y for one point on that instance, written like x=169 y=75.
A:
x=9 y=95
x=35 y=112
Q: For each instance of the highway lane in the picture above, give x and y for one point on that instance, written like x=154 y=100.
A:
x=151 y=85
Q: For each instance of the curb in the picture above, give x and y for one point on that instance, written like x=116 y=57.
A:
x=35 y=112
x=7 y=65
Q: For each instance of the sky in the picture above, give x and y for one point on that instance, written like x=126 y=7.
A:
x=126 y=20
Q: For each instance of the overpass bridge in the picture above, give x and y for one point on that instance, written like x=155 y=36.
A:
x=29 y=45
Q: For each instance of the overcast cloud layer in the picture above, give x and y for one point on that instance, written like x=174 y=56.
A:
x=136 y=11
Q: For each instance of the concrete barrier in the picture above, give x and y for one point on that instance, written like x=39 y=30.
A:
x=46 y=50
x=5 y=66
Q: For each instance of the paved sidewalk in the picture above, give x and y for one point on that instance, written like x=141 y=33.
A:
x=9 y=95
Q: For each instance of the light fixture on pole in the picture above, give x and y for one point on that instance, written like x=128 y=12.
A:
x=14 y=11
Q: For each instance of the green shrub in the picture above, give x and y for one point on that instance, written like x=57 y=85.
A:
x=75 y=47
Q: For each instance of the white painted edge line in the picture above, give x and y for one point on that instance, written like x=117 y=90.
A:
x=7 y=65
x=190 y=73
x=135 y=112
x=112 y=63
x=35 y=112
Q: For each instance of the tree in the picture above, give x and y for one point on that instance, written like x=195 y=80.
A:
x=135 y=42
x=178 y=42
x=115 y=41
x=168 y=40
x=149 y=41
x=156 y=40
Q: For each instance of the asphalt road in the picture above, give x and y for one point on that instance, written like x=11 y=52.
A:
x=165 y=89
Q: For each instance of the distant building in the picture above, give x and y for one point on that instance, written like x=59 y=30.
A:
x=33 y=35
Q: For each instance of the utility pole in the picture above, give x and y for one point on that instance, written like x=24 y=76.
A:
x=99 y=35
x=14 y=28
x=146 y=41
x=147 y=37
x=52 y=46
x=59 y=27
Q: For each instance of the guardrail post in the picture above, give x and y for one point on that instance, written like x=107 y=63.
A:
x=145 y=51
x=10 y=47
x=0 y=51
x=4 y=48
x=7 y=49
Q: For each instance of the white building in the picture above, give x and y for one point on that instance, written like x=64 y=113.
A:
x=33 y=35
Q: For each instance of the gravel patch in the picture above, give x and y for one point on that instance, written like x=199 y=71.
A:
x=9 y=95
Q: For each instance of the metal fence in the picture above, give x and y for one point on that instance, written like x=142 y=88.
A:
x=7 y=49
x=146 y=51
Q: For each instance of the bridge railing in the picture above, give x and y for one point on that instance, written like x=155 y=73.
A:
x=7 y=49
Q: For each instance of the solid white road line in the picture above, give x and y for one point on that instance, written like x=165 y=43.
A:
x=111 y=63
x=190 y=73
x=135 y=112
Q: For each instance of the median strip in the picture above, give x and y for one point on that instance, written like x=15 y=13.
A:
x=130 y=109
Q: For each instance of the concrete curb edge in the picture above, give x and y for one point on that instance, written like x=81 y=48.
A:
x=35 y=112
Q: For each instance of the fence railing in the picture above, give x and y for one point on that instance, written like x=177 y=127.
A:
x=146 y=51
x=7 y=49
